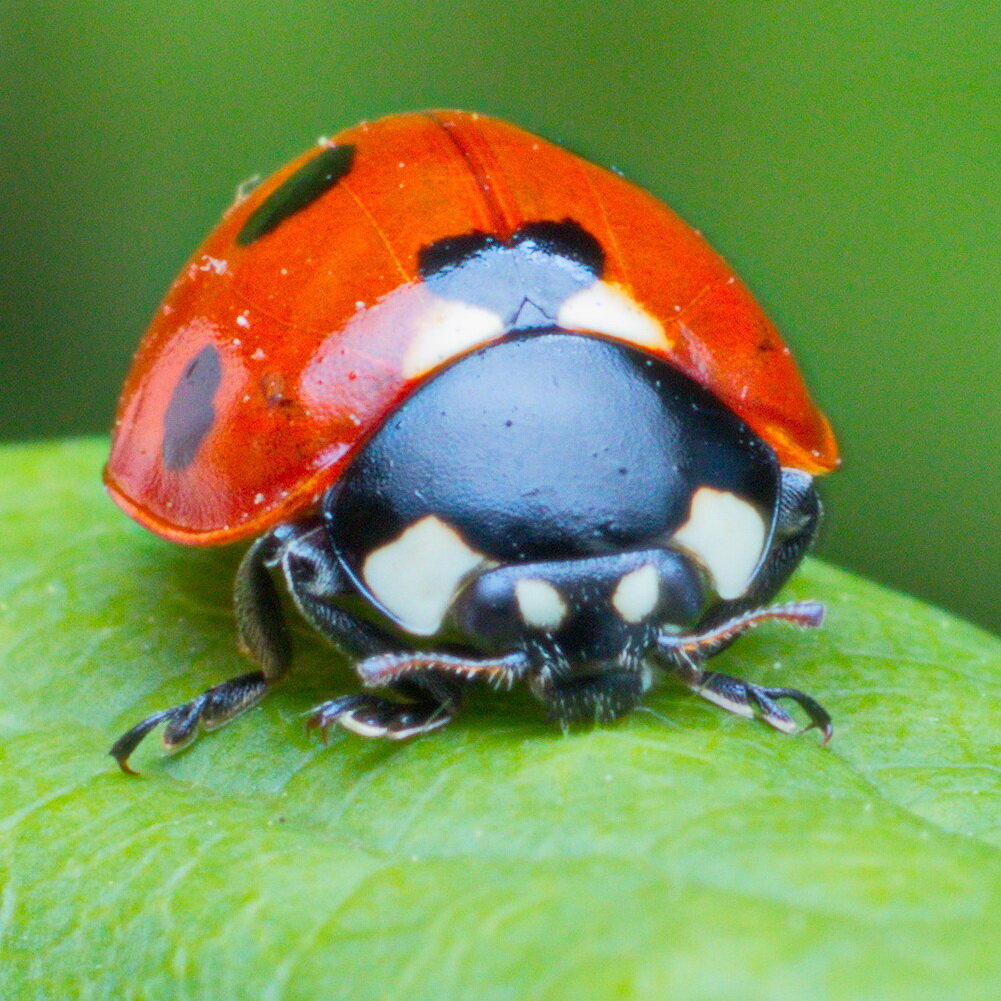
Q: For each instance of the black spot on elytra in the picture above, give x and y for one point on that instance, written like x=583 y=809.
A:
x=296 y=192
x=190 y=413
x=523 y=280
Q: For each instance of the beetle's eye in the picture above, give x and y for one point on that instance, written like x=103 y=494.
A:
x=488 y=608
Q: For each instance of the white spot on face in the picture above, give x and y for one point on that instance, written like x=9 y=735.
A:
x=604 y=309
x=447 y=329
x=539 y=603
x=416 y=576
x=636 y=594
x=728 y=535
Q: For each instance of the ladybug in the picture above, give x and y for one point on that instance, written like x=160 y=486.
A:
x=490 y=412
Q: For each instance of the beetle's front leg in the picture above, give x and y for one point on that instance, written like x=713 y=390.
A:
x=758 y=702
x=426 y=708
x=684 y=654
x=431 y=683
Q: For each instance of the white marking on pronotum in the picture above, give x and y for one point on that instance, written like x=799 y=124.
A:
x=636 y=594
x=604 y=309
x=446 y=329
x=728 y=535
x=539 y=603
x=416 y=576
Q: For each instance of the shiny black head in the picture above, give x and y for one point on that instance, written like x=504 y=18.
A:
x=586 y=612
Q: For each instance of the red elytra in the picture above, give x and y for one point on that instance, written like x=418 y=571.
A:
x=303 y=327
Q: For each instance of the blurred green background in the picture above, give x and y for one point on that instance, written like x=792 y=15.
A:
x=846 y=158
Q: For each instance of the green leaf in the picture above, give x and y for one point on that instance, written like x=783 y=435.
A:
x=681 y=853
